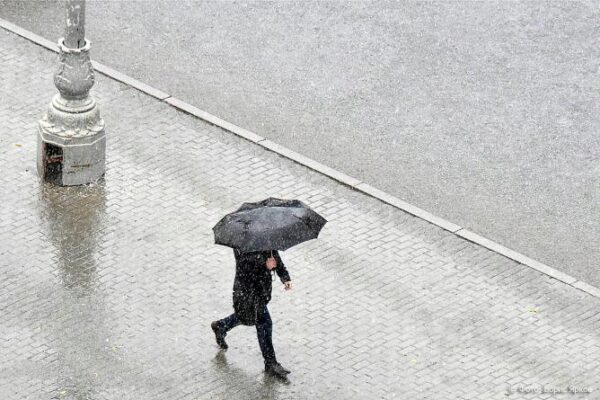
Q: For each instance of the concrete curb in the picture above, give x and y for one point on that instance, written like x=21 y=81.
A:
x=316 y=166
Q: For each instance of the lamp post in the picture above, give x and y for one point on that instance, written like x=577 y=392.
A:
x=71 y=139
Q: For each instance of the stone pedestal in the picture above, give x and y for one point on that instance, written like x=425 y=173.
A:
x=71 y=138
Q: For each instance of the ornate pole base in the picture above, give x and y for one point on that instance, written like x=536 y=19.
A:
x=69 y=155
x=71 y=146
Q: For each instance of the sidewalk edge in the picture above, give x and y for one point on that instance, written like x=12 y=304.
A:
x=338 y=176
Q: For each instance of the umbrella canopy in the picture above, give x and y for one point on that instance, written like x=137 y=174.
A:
x=270 y=224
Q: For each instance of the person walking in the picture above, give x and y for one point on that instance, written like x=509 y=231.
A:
x=251 y=294
x=256 y=231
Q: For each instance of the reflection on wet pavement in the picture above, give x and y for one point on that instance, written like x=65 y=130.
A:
x=236 y=380
x=74 y=216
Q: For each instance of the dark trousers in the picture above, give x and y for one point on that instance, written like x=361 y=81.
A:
x=264 y=331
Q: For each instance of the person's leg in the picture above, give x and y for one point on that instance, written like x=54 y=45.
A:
x=264 y=331
x=222 y=326
x=229 y=323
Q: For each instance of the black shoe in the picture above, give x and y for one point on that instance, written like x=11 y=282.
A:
x=276 y=369
x=219 y=334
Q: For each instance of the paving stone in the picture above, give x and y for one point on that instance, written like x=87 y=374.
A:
x=107 y=291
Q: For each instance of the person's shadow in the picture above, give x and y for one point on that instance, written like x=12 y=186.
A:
x=243 y=385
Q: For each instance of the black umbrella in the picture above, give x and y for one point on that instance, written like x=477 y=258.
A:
x=270 y=224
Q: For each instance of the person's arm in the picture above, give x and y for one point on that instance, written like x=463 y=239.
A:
x=281 y=271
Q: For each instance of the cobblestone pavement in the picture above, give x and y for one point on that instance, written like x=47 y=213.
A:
x=434 y=102
x=107 y=292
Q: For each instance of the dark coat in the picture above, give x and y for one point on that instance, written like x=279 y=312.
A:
x=252 y=285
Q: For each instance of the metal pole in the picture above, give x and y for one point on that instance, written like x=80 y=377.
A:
x=75 y=29
x=71 y=138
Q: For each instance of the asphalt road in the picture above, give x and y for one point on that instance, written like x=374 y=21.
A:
x=484 y=113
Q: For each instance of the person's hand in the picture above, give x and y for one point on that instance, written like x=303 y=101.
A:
x=271 y=263
x=287 y=285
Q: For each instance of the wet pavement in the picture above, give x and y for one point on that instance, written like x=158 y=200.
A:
x=484 y=113
x=107 y=291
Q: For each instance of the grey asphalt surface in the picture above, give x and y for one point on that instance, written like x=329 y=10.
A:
x=484 y=113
